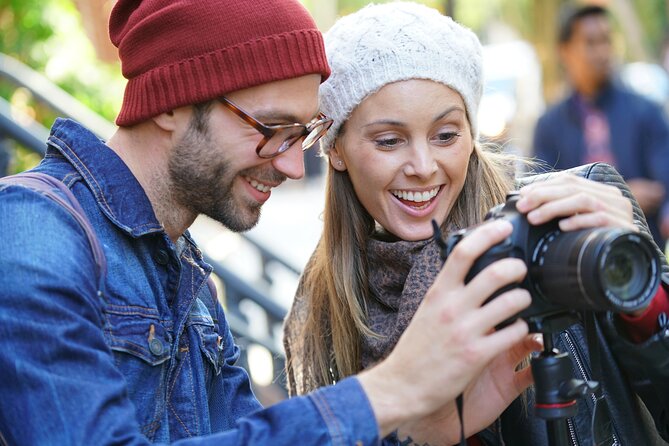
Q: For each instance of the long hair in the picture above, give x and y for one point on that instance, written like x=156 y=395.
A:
x=334 y=284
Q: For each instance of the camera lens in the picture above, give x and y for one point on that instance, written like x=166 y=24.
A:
x=621 y=275
x=600 y=269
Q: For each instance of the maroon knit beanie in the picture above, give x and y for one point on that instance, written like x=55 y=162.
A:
x=181 y=52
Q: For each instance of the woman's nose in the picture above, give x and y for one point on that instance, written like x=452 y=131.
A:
x=421 y=162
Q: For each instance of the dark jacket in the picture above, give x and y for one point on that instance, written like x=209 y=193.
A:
x=639 y=138
x=634 y=377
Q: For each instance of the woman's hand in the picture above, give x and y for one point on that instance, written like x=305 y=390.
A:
x=451 y=338
x=485 y=398
x=581 y=203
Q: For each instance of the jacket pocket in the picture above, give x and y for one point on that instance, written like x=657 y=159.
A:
x=209 y=341
x=141 y=345
x=138 y=332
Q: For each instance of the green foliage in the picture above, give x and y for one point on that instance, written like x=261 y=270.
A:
x=22 y=25
x=653 y=16
x=48 y=36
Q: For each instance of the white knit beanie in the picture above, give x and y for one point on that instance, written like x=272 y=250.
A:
x=382 y=44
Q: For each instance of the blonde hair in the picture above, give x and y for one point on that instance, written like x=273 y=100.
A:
x=325 y=346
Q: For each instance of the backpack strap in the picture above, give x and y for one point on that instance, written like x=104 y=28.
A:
x=50 y=187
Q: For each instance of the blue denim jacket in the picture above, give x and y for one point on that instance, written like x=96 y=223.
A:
x=151 y=359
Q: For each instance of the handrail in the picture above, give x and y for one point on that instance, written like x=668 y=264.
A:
x=30 y=134
x=49 y=93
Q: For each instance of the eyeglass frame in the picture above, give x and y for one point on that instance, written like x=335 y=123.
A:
x=269 y=131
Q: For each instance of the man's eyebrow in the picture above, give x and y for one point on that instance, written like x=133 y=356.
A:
x=269 y=116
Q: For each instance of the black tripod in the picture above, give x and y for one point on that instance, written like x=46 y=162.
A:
x=555 y=388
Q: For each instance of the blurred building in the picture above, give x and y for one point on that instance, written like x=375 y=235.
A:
x=512 y=98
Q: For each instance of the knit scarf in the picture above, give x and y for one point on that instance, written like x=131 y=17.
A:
x=400 y=273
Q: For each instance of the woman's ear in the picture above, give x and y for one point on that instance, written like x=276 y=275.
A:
x=336 y=160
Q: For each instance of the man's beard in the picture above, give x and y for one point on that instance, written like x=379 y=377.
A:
x=202 y=182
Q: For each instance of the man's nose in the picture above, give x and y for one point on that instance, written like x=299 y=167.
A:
x=291 y=162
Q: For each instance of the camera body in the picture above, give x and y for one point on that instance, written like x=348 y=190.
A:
x=596 y=269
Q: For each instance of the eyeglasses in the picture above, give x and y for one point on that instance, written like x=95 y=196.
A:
x=279 y=138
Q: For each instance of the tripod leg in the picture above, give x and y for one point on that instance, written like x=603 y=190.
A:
x=557 y=432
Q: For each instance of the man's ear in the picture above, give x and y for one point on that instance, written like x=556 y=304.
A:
x=166 y=121
x=335 y=158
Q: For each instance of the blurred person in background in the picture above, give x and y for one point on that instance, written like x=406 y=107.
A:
x=603 y=121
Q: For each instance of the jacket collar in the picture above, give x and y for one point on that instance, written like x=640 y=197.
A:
x=604 y=96
x=116 y=190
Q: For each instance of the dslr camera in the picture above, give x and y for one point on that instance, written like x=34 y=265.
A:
x=596 y=269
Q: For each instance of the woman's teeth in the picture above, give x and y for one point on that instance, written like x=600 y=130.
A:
x=417 y=197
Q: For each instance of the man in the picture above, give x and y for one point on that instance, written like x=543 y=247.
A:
x=217 y=96
x=602 y=121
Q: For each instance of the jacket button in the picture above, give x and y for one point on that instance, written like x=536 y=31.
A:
x=156 y=346
x=161 y=257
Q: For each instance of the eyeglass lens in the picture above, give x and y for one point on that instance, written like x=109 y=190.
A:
x=283 y=139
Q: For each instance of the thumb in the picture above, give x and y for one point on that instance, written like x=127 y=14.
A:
x=522 y=379
x=530 y=343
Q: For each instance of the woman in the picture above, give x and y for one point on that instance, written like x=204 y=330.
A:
x=403 y=150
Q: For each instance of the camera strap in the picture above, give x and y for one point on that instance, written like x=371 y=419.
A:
x=459 y=400
x=601 y=426
x=57 y=191
x=459 y=403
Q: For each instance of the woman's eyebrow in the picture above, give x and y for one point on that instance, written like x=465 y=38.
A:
x=395 y=123
x=385 y=122
x=448 y=111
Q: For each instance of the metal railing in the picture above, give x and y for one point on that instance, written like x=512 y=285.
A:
x=236 y=293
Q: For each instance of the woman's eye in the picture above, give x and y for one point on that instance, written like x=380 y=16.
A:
x=445 y=138
x=388 y=143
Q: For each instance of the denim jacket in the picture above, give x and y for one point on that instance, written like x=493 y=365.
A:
x=147 y=357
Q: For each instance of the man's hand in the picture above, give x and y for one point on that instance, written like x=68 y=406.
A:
x=484 y=399
x=451 y=337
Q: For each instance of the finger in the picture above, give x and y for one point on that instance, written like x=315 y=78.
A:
x=564 y=183
x=470 y=248
x=581 y=203
x=531 y=343
x=595 y=220
x=615 y=208
x=501 y=308
x=502 y=340
x=561 y=186
x=493 y=278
